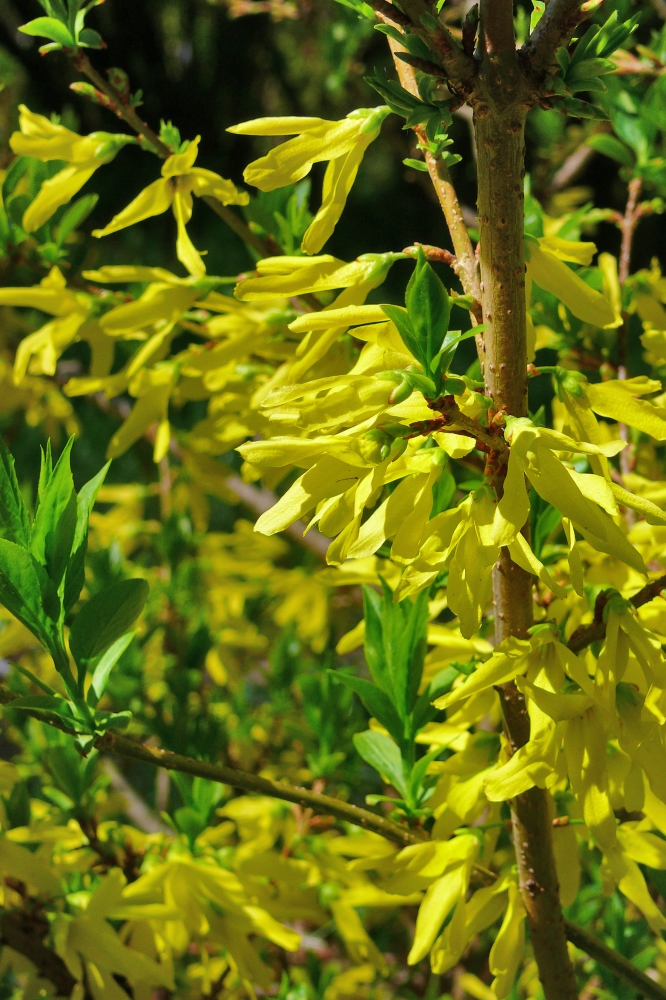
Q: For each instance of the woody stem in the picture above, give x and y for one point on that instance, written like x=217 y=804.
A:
x=499 y=120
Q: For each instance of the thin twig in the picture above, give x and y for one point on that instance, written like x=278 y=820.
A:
x=627 y=228
x=553 y=30
x=621 y=966
x=324 y=805
x=466 y=262
x=321 y=805
x=125 y=111
x=584 y=635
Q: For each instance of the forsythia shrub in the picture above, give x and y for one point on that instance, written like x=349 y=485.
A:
x=490 y=534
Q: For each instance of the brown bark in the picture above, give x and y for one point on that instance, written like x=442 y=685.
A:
x=499 y=121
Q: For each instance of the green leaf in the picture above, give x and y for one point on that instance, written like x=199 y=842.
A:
x=373 y=645
x=53 y=711
x=75 y=574
x=15 y=172
x=113 y=720
x=440 y=685
x=68 y=769
x=48 y=27
x=416 y=164
x=375 y=700
x=14 y=520
x=400 y=316
x=383 y=754
x=105 y=665
x=395 y=644
x=106 y=617
x=429 y=308
x=418 y=775
x=28 y=593
x=90 y=39
x=74 y=216
x=55 y=521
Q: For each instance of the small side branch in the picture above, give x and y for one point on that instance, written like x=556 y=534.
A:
x=323 y=805
x=553 y=30
x=618 y=964
x=125 y=111
x=585 y=635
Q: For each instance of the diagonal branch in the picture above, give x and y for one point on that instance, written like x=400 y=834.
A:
x=460 y=68
x=50 y=966
x=613 y=960
x=324 y=805
x=125 y=111
x=467 y=268
x=553 y=30
x=585 y=635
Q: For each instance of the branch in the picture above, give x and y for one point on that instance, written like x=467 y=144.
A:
x=324 y=805
x=460 y=68
x=618 y=964
x=467 y=269
x=584 y=635
x=125 y=111
x=12 y=925
x=19 y=932
x=553 y=30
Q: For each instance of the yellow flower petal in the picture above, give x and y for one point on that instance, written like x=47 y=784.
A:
x=609 y=399
x=551 y=274
x=338 y=180
x=153 y=200
x=185 y=250
x=56 y=191
x=181 y=163
x=206 y=183
x=287 y=125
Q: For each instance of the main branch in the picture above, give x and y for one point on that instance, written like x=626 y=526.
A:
x=499 y=122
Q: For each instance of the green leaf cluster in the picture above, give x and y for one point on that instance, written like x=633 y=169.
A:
x=42 y=574
x=64 y=26
x=582 y=70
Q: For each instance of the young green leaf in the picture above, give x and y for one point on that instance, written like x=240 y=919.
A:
x=104 y=618
x=28 y=593
x=55 y=521
x=429 y=307
x=383 y=754
x=14 y=520
x=48 y=27
x=104 y=666
x=375 y=700
x=75 y=573
x=77 y=213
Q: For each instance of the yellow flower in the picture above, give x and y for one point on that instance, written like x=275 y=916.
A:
x=45 y=140
x=547 y=267
x=91 y=949
x=180 y=180
x=342 y=143
x=71 y=311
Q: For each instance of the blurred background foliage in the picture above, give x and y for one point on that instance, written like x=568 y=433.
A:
x=239 y=627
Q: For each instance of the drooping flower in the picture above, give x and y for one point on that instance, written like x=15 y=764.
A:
x=72 y=319
x=342 y=143
x=546 y=265
x=180 y=180
x=47 y=140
